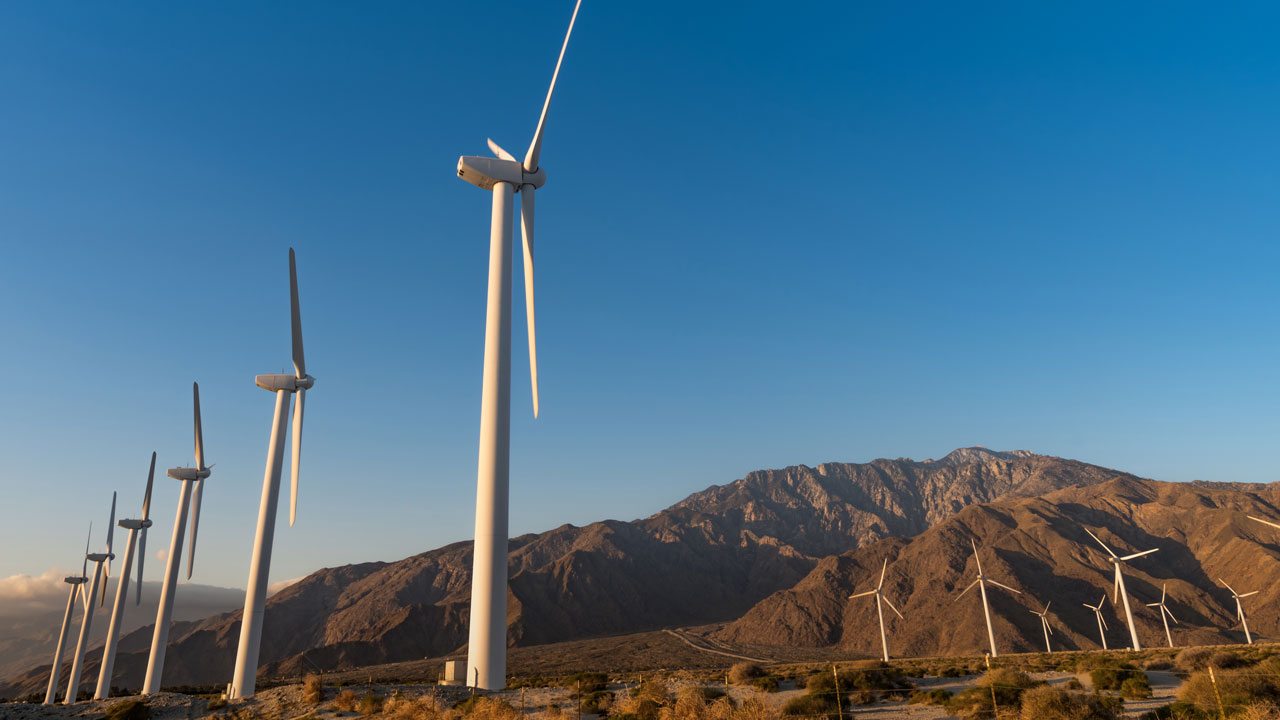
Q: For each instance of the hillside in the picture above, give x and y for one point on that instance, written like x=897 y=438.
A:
x=709 y=558
x=1039 y=546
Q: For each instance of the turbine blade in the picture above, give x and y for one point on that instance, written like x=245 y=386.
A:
x=1169 y=612
x=1224 y=582
x=863 y=594
x=111 y=529
x=195 y=526
x=883 y=568
x=526 y=234
x=1046 y=607
x=84 y=567
x=1152 y=604
x=1164 y=590
x=195 y=394
x=1255 y=592
x=1047 y=626
x=1104 y=545
x=1002 y=585
x=975 y=555
x=142 y=556
x=497 y=150
x=891 y=607
x=535 y=148
x=975 y=582
x=1116 y=599
x=1138 y=555
x=146 y=499
x=299 y=362
x=1264 y=522
x=298 y=406
x=1103 y=618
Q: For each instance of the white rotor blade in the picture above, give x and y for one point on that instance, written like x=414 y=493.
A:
x=1002 y=585
x=111 y=528
x=497 y=150
x=863 y=594
x=975 y=582
x=298 y=406
x=1048 y=627
x=1264 y=522
x=142 y=555
x=891 y=607
x=1138 y=555
x=299 y=361
x=1224 y=582
x=1169 y=612
x=975 y=555
x=1116 y=600
x=1103 y=619
x=883 y=568
x=1046 y=607
x=526 y=234
x=195 y=394
x=1104 y=545
x=535 y=148
x=1255 y=592
x=146 y=499
x=1164 y=590
x=195 y=525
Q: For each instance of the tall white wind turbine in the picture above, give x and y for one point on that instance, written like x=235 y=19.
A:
x=1120 y=590
x=884 y=643
x=255 y=598
x=1240 y=609
x=1044 y=623
x=98 y=560
x=137 y=536
x=504 y=176
x=76 y=590
x=1165 y=613
x=189 y=477
x=981 y=582
x=1102 y=623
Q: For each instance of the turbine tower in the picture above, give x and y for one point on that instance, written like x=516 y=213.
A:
x=884 y=643
x=255 y=597
x=1102 y=623
x=137 y=536
x=504 y=176
x=1240 y=609
x=1165 y=613
x=76 y=590
x=188 y=477
x=981 y=582
x=1120 y=590
x=98 y=559
x=1044 y=623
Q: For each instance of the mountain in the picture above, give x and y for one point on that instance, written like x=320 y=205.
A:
x=709 y=558
x=1039 y=546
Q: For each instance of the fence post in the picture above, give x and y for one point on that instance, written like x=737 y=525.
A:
x=839 y=701
x=995 y=709
x=1222 y=712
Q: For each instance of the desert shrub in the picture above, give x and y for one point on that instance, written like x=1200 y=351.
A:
x=553 y=712
x=312 y=689
x=479 y=707
x=1005 y=684
x=370 y=705
x=596 y=701
x=129 y=710
x=216 y=704
x=1259 y=711
x=1180 y=710
x=768 y=683
x=588 y=682
x=1225 y=660
x=869 y=677
x=1193 y=658
x=1051 y=703
x=755 y=706
x=1073 y=684
x=346 y=701
x=953 y=671
x=936 y=696
x=1112 y=676
x=1158 y=664
x=1136 y=688
x=1238 y=689
x=811 y=705
x=744 y=673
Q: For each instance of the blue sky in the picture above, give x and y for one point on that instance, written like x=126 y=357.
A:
x=771 y=235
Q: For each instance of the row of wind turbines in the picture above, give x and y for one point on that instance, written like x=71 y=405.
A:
x=192 y=481
x=1121 y=597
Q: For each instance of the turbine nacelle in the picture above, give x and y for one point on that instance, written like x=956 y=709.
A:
x=485 y=172
x=99 y=557
x=187 y=474
x=75 y=580
x=135 y=524
x=289 y=383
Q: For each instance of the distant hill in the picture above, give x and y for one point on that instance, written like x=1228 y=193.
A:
x=1039 y=546
x=709 y=558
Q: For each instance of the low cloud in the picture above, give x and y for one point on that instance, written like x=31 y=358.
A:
x=276 y=587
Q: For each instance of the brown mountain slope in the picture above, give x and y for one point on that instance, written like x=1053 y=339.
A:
x=709 y=558
x=1039 y=546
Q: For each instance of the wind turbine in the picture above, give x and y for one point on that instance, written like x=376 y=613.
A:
x=188 y=477
x=981 y=582
x=1102 y=623
x=76 y=589
x=504 y=176
x=1240 y=609
x=1165 y=613
x=884 y=643
x=255 y=597
x=137 y=536
x=98 y=559
x=1120 y=590
x=1044 y=622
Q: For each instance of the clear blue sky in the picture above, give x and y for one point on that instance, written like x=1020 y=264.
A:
x=772 y=234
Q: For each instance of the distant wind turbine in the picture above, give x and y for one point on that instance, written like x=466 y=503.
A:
x=981 y=582
x=164 y=615
x=1120 y=590
x=99 y=560
x=1165 y=613
x=1102 y=623
x=137 y=536
x=884 y=643
x=503 y=176
x=244 y=679
x=76 y=590
x=1240 y=609
x=1044 y=622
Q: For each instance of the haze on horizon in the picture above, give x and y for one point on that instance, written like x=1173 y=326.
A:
x=777 y=236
